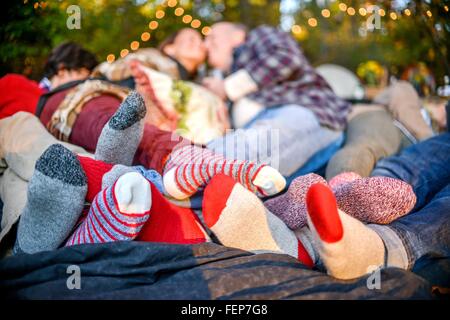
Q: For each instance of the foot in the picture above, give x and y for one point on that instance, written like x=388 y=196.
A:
x=56 y=194
x=122 y=134
x=379 y=200
x=348 y=248
x=118 y=213
x=239 y=219
x=191 y=168
x=291 y=206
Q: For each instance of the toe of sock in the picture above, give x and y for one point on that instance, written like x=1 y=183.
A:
x=131 y=110
x=60 y=163
x=215 y=197
x=323 y=213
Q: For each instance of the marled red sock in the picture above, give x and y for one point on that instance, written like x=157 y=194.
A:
x=94 y=170
x=171 y=224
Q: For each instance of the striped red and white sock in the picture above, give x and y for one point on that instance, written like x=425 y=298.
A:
x=117 y=213
x=239 y=219
x=190 y=168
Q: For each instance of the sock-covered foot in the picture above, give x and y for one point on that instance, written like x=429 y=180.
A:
x=291 y=206
x=122 y=134
x=190 y=168
x=239 y=219
x=56 y=194
x=378 y=200
x=343 y=178
x=171 y=224
x=118 y=213
x=348 y=248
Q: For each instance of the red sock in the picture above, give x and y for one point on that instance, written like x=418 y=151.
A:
x=171 y=224
x=94 y=170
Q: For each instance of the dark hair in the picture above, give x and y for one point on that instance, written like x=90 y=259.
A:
x=70 y=56
x=170 y=39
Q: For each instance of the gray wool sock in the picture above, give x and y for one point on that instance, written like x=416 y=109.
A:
x=115 y=173
x=56 y=195
x=122 y=134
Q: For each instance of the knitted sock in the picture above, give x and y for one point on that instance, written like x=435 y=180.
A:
x=239 y=219
x=378 y=200
x=171 y=224
x=291 y=206
x=122 y=134
x=190 y=168
x=117 y=213
x=343 y=178
x=347 y=247
x=56 y=194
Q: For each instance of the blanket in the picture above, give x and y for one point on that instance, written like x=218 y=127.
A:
x=144 y=270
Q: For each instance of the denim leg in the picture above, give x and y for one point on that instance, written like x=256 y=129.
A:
x=425 y=166
x=425 y=232
x=285 y=138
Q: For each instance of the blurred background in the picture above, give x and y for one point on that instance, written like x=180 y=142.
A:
x=408 y=39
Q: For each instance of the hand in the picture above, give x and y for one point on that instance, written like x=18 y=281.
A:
x=215 y=85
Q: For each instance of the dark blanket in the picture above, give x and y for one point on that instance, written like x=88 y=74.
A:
x=137 y=270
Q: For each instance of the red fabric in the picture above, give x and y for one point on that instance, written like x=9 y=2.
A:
x=91 y=120
x=95 y=170
x=323 y=211
x=303 y=255
x=17 y=93
x=215 y=198
x=171 y=224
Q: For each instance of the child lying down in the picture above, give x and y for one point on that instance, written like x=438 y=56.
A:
x=314 y=220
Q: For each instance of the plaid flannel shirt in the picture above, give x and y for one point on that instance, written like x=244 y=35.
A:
x=283 y=75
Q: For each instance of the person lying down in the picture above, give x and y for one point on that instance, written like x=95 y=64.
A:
x=314 y=221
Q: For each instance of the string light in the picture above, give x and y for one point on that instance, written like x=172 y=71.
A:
x=110 y=58
x=187 y=18
x=326 y=13
x=179 y=11
x=408 y=12
x=446 y=8
x=172 y=3
x=206 y=30
x=195 y=23
x=362 y=11
x=160 y=14
x=296 y=29
x=393 y=15
x=351 y=11
x=312 y=22
x=381 y=12
x=134 y=45
x=123 y=53
x=429 y=14
x=145 y=36
x=342 y=6
x=153 y=25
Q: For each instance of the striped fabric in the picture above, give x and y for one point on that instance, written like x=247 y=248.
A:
x=195 y=166
x=106 y=223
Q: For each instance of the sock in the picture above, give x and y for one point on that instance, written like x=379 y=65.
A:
x=190 y=168
x=239 y=219
x=348 y=248
x=171 y=224
x=117 y=213
x=56 y=194
x=342 y=179
x=122 y=134
x=94 y=170
x=291 y=206
x=115 y=173
x=379 y=200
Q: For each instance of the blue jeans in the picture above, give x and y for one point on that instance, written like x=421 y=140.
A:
x=285 y=137
x=426 y=230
